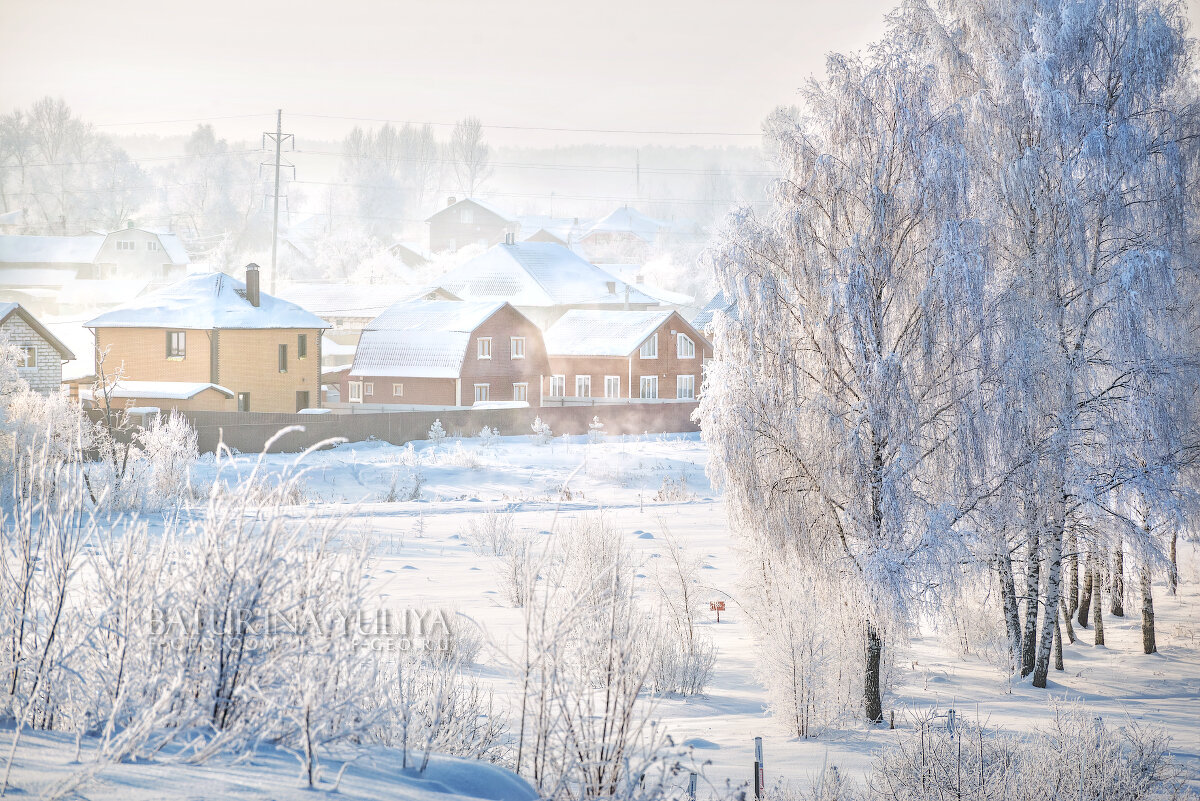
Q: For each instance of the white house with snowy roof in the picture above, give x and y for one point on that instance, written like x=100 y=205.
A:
x=260 y=353
x=40 y=354
x=449 y=354
x=543 y=280
x=618 y=356
x=623 y=236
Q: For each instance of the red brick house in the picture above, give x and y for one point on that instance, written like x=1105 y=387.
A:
x=614 y=355
x=469 y=221
x=447 y=353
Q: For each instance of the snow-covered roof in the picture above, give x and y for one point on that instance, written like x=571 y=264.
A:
x=173 y=390
x=10 y=308
x=345 y=300
x=537 y=274
x=16 y=249
x=14 y=217
x=566 y=229
x=21 y=277
x=213 y=300
x=483 y=204
x=588 y=332
x=719 y=304
x=420 y=338
x=106 y=292
x=628 y=221
x=174 y=249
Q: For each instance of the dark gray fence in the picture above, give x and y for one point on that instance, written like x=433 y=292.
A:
x=248 y=432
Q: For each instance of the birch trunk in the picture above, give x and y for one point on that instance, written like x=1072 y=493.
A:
x=1173 y=568
x=1030 y=625
x=1073 y=576
x=1148 y=644
x=871 y=690
x=1053 y=580
x=1085 y=601
x=1118 y=580
x=1098 y=605
x=1012 y=618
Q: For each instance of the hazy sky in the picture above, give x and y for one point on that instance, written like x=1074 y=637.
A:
x=682 y=66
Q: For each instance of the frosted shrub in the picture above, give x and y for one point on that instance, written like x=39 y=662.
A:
x=685 y=655
x=406 y=484
x=436 y=432
x=168 y=447
x=488 y=436
x=595 y=430
x=517 y=572
x=681 y=667
x=541 y=432
x=490 y=532
x=673 y=490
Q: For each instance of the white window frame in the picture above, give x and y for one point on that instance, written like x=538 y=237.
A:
x=483 y=348
x=584 y=382
x=685 y=383
x=561 y=382
x=397 y=390
x=28 y=357
x=355 y=390
x=612 y=386
x=685 y=347
x=368 y=389
x=651 y=382
x=172 y=353
x=516 y=347
x=521 y=391
x=482 y=397
x=151 y=246
x=649 y=348
x=466 y=216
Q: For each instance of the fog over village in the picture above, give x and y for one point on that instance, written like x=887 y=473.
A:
x=468 y=401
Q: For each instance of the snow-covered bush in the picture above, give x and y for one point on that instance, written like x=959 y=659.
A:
x=406 y=484
x=168 y=449
x=490 y=532
x=673 y=490
x=595 y=430
x=487 y=436
x=541 y=432
x=517 y=571
x=436 y=432
x=686 y=655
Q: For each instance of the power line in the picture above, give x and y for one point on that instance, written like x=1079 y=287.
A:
x=129 y=160
x=192 y=119
x=535 y=127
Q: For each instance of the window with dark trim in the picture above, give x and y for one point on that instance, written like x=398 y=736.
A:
x=176 y=344
x=243 y=401
x=283 y=358
x=302 y=346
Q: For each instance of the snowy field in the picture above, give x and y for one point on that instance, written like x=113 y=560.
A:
x=648 y=486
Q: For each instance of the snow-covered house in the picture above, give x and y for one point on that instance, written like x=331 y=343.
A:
x=543 y=280
x=626 y=235
x=720 y=304
x=614 y=355
x=262 y=353
x=558 y=230
x=469 y=221
x=40 y=353
x=348 y=308
x=447 y=353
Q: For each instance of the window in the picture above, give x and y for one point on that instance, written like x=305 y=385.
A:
x=28 y=356
x=481 y=393
x=302 y=346
x=517 y=346
x=150 y=245
x=176 y=344
x=243 y=401
x=583 y=386
x=649 y=386
x=612 y=386
x=368 y=389
x=649 y=349
x=685 y=348
x=283 y=358
x=466 y=216
x=301 y=400
x=484 y=349
x=558 y=386
x=520 y=392
x=126 y=245
x=685 y=387
x=397 y=390
x=356 y=392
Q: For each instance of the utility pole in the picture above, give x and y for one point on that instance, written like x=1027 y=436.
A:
x=278 y=137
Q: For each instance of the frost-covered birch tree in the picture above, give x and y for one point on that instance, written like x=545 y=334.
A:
x=834 y=401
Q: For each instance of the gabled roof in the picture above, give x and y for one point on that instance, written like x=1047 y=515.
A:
x=720 y=304
x=173 y=390
x=537 y=274
x=420 y=338
x=483 y=204
x=17 y=249
x=212 y=300
x=9 y=309
x=565 y=229
x=587 y=332
x=345 y=300
x=628 y=221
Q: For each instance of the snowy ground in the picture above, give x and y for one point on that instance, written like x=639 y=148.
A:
x=424 y=562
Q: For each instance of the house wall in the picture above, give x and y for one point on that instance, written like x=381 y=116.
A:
x=502 y=371
x=208 y=400
x=448 y=232
x=46 y=376
x=668 y=366
x=247 y=361
x=417 y=391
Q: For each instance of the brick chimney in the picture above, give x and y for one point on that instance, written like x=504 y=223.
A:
x=450 y=201
x=252 y=284
x=510 y=238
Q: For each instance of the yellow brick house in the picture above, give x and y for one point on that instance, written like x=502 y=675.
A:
x=212 y=342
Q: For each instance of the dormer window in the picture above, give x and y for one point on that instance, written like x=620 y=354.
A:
x=484 y=348
x=649 y=349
